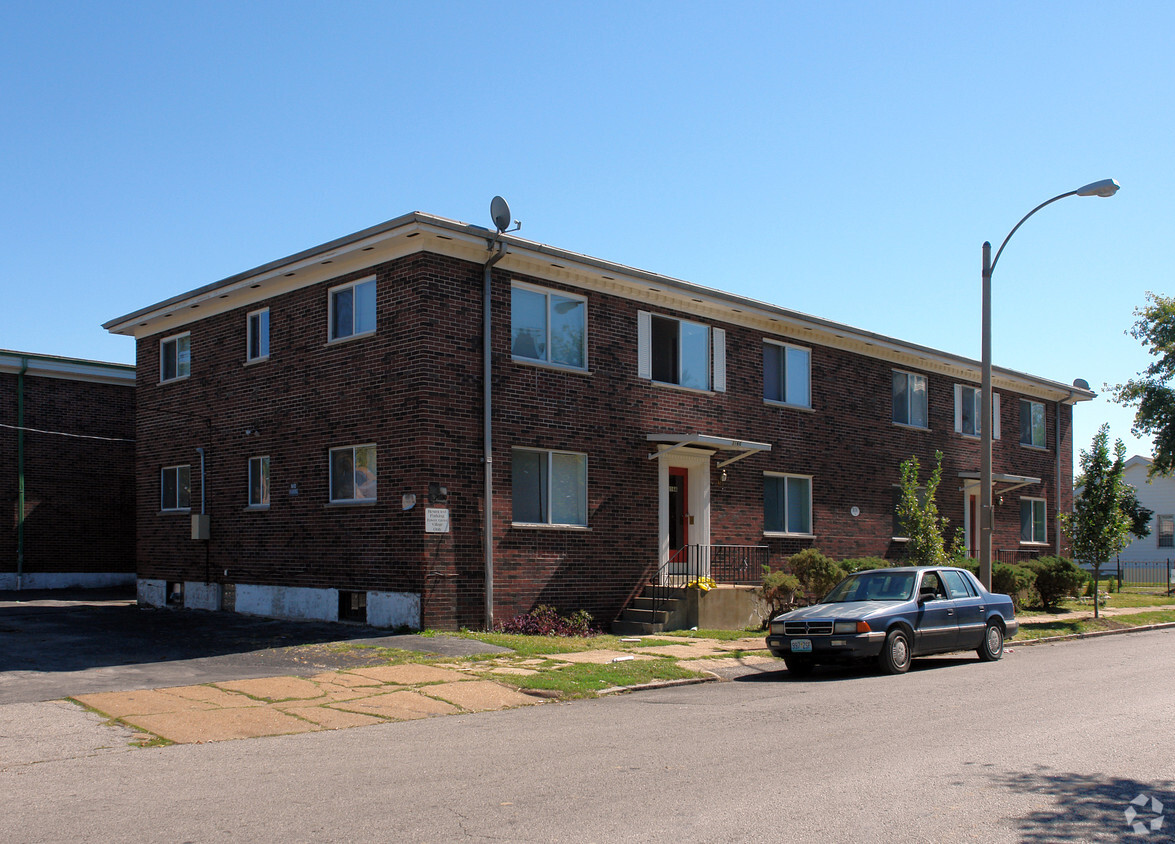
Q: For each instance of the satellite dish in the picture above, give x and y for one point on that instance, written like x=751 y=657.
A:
x=500 y=214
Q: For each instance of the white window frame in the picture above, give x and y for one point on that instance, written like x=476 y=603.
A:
x=330 y=310
x=266 y=487
x=1044 y=428
x=1160 y=534
x=784 y=477
x=330 y=469
x=262 y=319
x=183 y=368
x=909 y=396
x=177 y=508
x=548 y=505
x=546 y=360
x=1045 y=521
x=967 y=393
x=787 y=349
x=715 y=353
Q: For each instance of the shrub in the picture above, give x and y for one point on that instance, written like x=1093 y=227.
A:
x=546 y=621
x=817 y=574
x=778 y=592
x=856 y=564
x=1057 y=578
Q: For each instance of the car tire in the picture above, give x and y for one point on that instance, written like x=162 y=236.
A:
x=992 y=646
x=798 y=666
x=895 y=653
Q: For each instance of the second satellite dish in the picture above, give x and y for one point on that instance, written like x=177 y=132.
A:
x=500 y=213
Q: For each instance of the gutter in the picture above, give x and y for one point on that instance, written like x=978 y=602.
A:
x=488 y=426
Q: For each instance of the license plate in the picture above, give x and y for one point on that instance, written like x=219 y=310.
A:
x=801 y=645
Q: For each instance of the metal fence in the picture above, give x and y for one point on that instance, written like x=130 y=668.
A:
x=738 y=564
x=1154 y=574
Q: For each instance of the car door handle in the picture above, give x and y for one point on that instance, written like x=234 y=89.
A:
x=950 y=612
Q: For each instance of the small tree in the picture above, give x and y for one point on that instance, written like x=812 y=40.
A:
x=920 y=520
x=817 y=574
x=777 y=592
x=1099 y=526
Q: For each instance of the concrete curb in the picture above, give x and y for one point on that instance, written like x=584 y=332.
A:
x=658 y=684
x=1091 y=635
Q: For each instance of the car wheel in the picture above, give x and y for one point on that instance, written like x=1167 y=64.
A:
x=895 y=654
x=798 y=666
x=992 y=647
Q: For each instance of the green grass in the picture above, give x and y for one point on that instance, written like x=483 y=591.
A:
x=1066 y=627
x=720 y=635
x=587 y=680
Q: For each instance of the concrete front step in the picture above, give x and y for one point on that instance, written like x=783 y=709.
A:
x=620 y=627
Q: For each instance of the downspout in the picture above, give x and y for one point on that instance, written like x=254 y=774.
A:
x=1059 y=510
x=20 y=499
x=200 y=451
x=487 y=426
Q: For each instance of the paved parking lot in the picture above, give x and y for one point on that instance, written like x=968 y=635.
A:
x=54 y=644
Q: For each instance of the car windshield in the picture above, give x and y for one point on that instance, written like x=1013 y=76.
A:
x=873 y=586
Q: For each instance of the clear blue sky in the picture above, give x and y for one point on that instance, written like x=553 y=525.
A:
x=842 y=159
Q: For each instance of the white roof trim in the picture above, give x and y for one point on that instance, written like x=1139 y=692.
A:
x=676 y=441
x=971 y=479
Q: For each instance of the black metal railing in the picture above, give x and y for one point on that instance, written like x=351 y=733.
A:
x=1152 y=574
x=704 y=565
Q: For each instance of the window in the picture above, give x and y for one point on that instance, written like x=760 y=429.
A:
x=352 y=309
x=957 y=586
x=176 y=488
x=675 y=351
x=787 y=374
x=352 y=474
x=787 y=504
x=549 y=487
x=1032 y=430
x=258 y=335
x=1033 y=520
x=258 y=481
x=175 y=357
x=909 y=399
x=969 y=411
x=1166 y=531
x=548 y=327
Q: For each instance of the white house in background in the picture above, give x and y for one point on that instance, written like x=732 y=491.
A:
x=1158 y=495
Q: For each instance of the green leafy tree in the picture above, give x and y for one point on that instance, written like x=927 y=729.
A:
x=918 y=515
x=1099 y=526
x=1151 y=391
x=1140 y=517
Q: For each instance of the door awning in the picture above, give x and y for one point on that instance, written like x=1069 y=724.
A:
x=971 y=479
x=676 y=441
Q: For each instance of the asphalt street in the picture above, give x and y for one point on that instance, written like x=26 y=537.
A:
x=1052 y=743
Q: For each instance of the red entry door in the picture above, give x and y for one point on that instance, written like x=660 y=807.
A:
x=678 y=514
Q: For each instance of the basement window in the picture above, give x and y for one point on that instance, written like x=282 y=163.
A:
x=353 y=606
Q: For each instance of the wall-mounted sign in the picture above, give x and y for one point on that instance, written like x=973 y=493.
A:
x=293 y=489
x=436 y=520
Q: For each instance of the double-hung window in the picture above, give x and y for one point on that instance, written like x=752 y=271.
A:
x=787 y=504
x=969 y=411
x=787 y=374
x=258 y=335
x=175 y=357
x=909 y=399
x=1166 y=531
x=258 y=481
x=677 y=351
x=549 y=487
x=175 y=484
x=352 y=474
x=548 y=327
x=352 y=309
x=1032 y=425
x=1033 y=520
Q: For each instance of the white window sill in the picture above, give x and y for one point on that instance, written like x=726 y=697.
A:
x=182 y=511
x=910 y=427
x=334 y=341
x=899 y=539
x=705 y=391
x=255 y=508
x=357 y=502
x=540 y=526
x=806 y=408
x=173 y=380
x=1044 y=544
x=780 y=535
x=557 y=367
x=251 y=361
x=1031 y=447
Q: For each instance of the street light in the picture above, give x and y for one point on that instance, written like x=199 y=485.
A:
x=1106 y=187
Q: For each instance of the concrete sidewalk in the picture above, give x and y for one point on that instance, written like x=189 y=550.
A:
x=269 y=706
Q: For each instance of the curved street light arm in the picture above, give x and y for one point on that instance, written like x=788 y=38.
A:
x=999 y=251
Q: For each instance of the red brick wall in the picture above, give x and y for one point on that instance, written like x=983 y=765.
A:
x=414 y=389
x=79 y=493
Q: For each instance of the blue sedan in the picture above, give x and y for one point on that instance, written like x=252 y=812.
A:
x=893 y=615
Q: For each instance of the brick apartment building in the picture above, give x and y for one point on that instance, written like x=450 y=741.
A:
x=327 y=412
x=67 y=455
